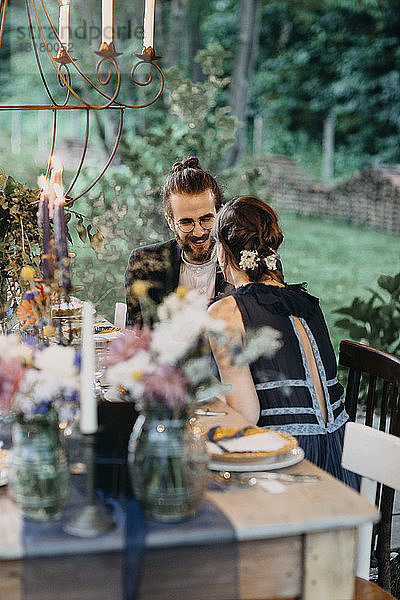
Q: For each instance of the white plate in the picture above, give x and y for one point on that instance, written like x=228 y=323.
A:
x=3 y=476
x=274 y=462
x=111 y=335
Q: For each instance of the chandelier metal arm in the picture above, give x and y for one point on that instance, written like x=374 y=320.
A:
x=53 y=144
x=53 y=60
x=3 y=4
x=83 y=156
x=114 y=150
x=62 y=64
x=69 y=59
x=37 y=54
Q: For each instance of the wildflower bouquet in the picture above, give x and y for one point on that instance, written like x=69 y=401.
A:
x=167 y=369
x=170 y=363
x=35 y=380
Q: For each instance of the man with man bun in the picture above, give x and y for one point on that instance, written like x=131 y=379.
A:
x=191 y=198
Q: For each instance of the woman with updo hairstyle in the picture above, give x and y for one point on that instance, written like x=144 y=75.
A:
x=293 y=387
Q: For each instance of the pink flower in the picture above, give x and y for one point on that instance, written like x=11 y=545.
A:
x=11 y=374
x=124 y=348
x=166 y=383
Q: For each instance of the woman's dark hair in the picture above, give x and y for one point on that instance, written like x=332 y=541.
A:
x=188 y=177
x=246 y=223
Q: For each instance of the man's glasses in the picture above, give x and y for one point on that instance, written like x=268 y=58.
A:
x=187 y=225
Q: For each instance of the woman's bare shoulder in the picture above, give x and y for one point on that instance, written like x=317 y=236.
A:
x=225 y=308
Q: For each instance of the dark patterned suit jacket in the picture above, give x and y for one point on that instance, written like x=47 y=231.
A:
x=159 y=265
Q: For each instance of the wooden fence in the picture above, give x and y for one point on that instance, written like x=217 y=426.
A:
x=370 y=197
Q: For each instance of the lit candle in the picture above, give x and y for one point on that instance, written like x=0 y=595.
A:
x=44 y=222
x=107 y=21
x=148 y=25
x=63 y=24
x=88 y=419
x=60 y=239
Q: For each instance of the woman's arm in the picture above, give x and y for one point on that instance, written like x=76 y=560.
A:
x=243 y=397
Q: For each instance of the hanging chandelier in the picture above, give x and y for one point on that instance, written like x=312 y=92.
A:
x=66 y=66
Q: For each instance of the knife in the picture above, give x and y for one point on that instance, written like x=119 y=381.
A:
x=205 y=412
x=246 y=476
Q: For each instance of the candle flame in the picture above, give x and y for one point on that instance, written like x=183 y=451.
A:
x=64 y=2
x=43 y=183
x=56 y=171
x=59 y=191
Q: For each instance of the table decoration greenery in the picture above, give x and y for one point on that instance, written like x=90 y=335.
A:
x=21 y=241
x=19 y=238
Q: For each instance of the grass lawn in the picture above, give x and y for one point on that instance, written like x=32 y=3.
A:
x=338 y=261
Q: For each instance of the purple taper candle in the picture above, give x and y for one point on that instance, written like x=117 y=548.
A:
x=44 y=223
x=60 y=239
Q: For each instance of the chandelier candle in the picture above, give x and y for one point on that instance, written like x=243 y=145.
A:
x=63 y=24
x=148 y=25
x=107 y=22
x=88 y=422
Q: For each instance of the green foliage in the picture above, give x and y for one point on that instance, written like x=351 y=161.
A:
x=376 y=319
x=19 y=236
x=337 y=260
x=338 y=58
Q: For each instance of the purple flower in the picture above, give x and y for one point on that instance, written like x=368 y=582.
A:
x=28 y=296
x=168 y=384
x=74 y=396
x=77 y=360
x=42 y=408
x=124 y=348
x=29 y=340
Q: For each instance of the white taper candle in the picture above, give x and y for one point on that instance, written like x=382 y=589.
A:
x=148 y=25
x=106 y=21
x=63 y=23
x=88 y=421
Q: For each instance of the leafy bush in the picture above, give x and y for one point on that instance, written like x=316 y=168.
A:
x=19 y=237
x=377 y=319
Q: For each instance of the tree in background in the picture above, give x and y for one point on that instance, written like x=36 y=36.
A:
x=329 y=59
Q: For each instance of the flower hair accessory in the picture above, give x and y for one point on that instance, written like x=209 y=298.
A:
x=249 y=259
x=272 y=261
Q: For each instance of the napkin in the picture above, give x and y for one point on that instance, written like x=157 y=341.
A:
x=265 y=441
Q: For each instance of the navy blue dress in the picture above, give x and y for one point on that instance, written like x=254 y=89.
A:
x=283 y=382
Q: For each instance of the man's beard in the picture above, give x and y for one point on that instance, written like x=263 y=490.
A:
x=190 y=251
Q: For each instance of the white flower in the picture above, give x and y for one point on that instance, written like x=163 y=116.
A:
x=36 y=387
x=271 y=261
x=173 y=339
x=129 y=373
x=12 y=347
x=249 y=259
x=58 y=362
x=265 y=341
x=183 y=320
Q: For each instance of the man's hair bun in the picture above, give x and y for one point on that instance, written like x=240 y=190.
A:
x=189 y=163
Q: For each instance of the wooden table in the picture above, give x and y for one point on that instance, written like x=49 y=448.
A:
x=301 y=542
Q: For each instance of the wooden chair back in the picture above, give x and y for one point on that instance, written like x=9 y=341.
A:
x=378 y=374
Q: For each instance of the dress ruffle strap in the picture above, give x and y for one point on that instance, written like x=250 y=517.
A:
x=289 y=300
